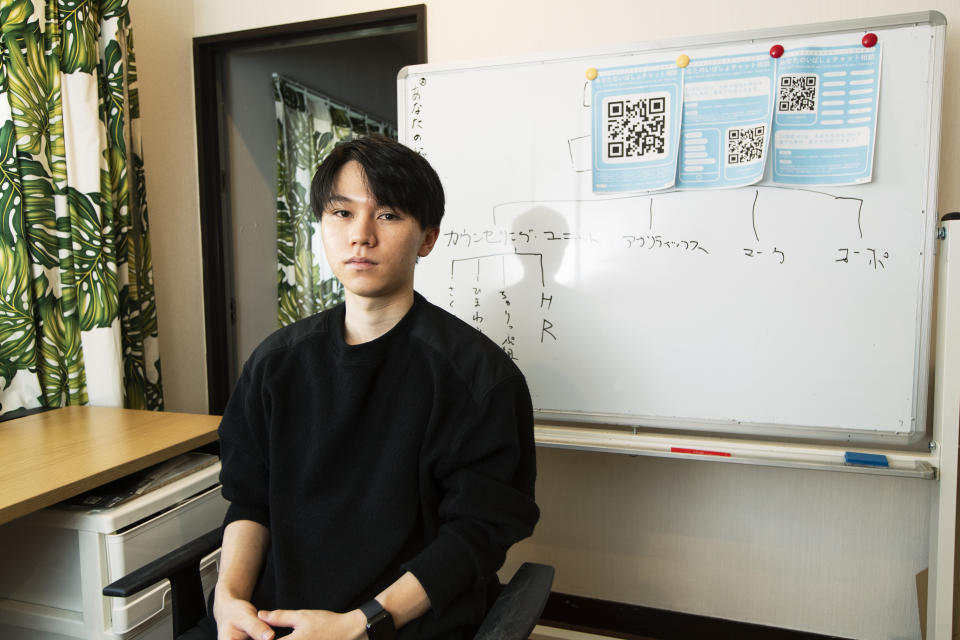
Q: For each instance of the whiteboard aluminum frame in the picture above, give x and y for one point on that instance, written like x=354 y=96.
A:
x=930 y=124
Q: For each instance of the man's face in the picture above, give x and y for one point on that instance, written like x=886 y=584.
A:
x=371 y=248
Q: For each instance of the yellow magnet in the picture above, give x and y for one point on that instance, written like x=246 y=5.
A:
x=683 y=61
x=592 y=73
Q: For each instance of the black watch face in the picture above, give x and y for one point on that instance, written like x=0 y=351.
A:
x=380 y=627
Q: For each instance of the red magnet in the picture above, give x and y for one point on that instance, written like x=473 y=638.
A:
x=869 y=40
x=776 y=51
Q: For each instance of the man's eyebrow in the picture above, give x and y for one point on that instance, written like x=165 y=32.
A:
x=337 y=199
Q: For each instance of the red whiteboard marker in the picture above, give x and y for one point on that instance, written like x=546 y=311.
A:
x=699 y=452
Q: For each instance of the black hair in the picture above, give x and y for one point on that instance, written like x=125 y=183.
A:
x=396 y=175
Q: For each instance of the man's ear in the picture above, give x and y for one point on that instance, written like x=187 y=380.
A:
x=429 y=239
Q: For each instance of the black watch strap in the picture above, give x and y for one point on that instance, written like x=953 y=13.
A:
x=379 y=621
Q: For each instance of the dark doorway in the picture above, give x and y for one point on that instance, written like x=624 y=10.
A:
x=353 y=59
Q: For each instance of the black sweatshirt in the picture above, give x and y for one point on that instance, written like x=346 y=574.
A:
x=412 y=452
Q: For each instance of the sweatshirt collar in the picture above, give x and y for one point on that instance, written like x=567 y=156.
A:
x=371 y=349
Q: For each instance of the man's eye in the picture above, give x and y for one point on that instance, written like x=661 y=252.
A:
x=339 y=213
x=389 y=215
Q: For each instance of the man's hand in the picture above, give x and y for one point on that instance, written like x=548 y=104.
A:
x=237 y=620
x=241 y=556
x=318 y=624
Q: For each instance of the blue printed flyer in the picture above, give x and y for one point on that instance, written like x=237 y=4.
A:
x=727 y=107
x=825 y=120
x=636 y=127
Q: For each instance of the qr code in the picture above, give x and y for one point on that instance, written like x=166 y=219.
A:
x=745 y=144
x=636 y=127
x=798 y=93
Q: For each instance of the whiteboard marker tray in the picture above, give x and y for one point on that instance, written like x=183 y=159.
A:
x=771 y=454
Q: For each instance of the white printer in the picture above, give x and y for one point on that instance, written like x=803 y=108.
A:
x=55 y=562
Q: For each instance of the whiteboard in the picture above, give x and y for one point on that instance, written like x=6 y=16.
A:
x=714 y=310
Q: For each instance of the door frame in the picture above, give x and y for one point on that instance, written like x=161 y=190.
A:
x=208 y=54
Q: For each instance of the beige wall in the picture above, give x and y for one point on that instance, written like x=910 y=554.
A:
x=831 y=553
x=466 y=29
x=163 y=33
x=457 y=30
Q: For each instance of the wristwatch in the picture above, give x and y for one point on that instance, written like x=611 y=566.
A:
x=379 y=621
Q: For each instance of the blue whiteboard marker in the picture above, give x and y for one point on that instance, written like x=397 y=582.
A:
x=865 y=459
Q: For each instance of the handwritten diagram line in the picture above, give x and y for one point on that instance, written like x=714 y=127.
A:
x=538 y=256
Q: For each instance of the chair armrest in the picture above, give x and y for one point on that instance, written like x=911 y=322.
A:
x=165 y=567
x=518 y=607
x=182 y=568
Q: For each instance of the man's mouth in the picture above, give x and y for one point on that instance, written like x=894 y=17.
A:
x=360 y=262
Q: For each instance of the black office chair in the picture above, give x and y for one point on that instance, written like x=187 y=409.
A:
x=513 y=615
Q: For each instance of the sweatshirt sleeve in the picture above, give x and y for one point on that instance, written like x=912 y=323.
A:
x=486 y=475
x=244 y=472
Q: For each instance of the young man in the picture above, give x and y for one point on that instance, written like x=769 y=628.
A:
x=378 y=457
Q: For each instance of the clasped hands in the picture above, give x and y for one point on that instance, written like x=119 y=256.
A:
x=239 y=620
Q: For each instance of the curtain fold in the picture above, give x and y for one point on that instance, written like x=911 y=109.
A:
x=77 y=307
x=309 y=124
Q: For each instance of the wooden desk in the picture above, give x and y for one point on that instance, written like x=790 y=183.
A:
x=51 y=456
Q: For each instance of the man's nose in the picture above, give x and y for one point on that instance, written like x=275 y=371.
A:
x=362 y=231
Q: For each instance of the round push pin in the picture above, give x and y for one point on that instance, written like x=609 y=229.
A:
x=869 y=40
x=776 y=51
x=592 y=73
x=683 y=60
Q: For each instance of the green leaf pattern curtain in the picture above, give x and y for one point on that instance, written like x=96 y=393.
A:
x=78 y=320
x=309 y=124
